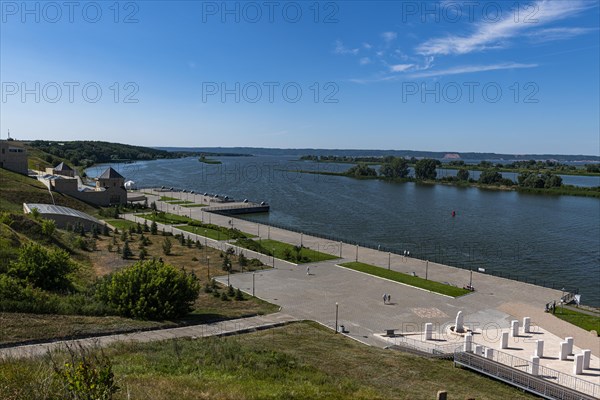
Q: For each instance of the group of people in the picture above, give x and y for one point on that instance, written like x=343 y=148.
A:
x=406 y=253
x=386 y=298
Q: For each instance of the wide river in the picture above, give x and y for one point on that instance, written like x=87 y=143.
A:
x=552 y=240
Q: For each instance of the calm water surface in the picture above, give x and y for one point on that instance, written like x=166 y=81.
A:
x=551 y=239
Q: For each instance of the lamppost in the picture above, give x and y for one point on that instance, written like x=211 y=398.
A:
x=228 y=273
x=253 y=274
x=340 y=249
x=427 y=269
x=389 y=260
x=470 y=277
x=208 y=267
x=336 y=317
x=300 y=239
x=269 y=232
x=356 y=252
x=273 y=254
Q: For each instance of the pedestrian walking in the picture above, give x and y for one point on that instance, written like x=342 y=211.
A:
x=307 y=270
x=389 y=298
x=385 y=298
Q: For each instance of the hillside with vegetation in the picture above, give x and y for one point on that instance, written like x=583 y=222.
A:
x=86 y=153
x=81 y=276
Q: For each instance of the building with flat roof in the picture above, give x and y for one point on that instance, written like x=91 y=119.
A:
x=13 y=156
x=63 y=216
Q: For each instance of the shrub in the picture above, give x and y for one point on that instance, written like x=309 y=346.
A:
x=85 y=375
x=149 y=290
x=127 y=253
x=153 y=227
x=166 y=246
x=80 y=243
x=239 y=295
x=143 y=254
x=243 y=260
x=48 y=227
x=46 y=269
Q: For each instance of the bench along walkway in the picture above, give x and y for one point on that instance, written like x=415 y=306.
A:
x=221 y=328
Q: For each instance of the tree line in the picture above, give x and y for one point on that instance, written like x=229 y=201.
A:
x=426 y=170
x=86 y=153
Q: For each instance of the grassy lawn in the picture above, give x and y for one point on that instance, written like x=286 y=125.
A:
x=406 y=279
x=194 y=205
x=210 y=233
x=166 y=218
x=179 y=202
x=584 y=321
x=281 y=363
x=284 y=251
x=168 y=198
x=121 y=223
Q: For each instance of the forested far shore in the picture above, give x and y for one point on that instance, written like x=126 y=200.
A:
x=548 y=166
x=396 y=169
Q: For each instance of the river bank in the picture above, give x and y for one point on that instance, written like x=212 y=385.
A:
x=565 y=190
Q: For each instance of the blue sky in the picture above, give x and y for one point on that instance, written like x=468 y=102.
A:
x=494 y=76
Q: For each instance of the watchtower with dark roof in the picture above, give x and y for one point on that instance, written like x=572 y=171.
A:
x=64 y=170
x=113 y=184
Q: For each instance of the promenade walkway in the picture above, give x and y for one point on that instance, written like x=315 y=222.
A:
x=496 y=300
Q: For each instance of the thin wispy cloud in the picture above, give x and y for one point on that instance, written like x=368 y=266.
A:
x=554 y=34
x=365 y=61
x=498 y=35
x=401 y=67
x=389 y=36
x=466 y=69
x=342 y=50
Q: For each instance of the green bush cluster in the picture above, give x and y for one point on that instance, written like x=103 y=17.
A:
x=149 y=290
x=42 y=268
x=533 y=180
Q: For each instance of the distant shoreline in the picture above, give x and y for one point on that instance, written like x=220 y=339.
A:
x=566 y=190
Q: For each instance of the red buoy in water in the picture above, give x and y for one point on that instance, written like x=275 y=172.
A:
x=453 y=213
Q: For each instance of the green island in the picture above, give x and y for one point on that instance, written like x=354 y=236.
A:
x=284 y=251
x=400 y=277
x=396 y=169
x=540 y=167
x=205 y=160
